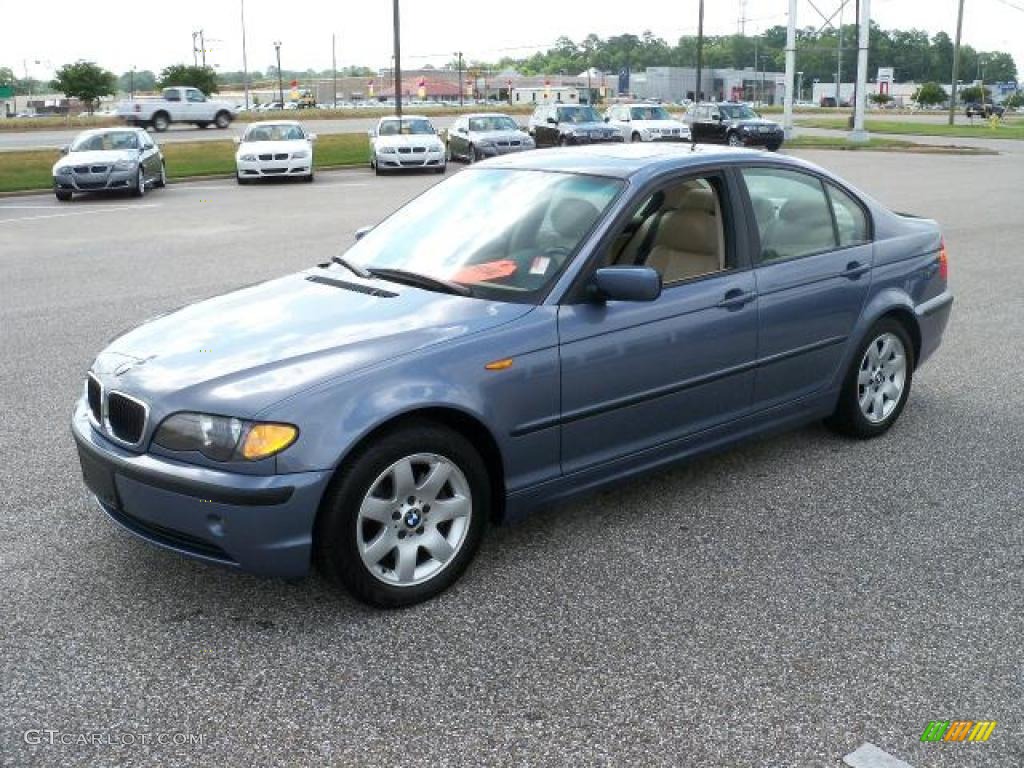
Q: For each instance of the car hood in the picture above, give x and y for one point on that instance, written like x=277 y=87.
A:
x=594 y=126
x=408 y=140
x=243 y=351
x=499 y=135
x=658 y=124
x=96 y=157
x=270 y=147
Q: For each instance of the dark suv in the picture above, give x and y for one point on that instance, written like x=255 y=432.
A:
x=734 y=124
x=974 y=109
x=566 y=124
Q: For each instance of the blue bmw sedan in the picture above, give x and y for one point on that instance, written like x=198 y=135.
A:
x=535 y=327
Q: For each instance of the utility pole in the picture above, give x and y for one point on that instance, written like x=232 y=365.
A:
x=700 y=51
x=280 y=80
x=131 y=80
x=462 y=90
x=245 y=61
x=956 y=62
x=398 y=62
x=202 y=47
x=195 y=50
x=334 y=67
x=863 y=34
x=787 y=109
x=839 y=57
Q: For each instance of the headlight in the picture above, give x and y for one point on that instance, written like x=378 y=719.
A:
x=485 y=143
x=386 y=150
x=528 y=141
x=64 y=170
x=124 y=165
x=300 y=154
x=247 y=158
x=223 y=438
x=438 y=148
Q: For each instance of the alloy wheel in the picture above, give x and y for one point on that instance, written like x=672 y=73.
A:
x=882 y=377
x=413 y=520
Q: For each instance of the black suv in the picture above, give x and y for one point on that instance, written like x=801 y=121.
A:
x=974 y=109
x=567 y=124
x=734 y=124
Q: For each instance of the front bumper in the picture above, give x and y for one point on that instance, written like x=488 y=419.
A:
x=411 y=159
x=265 y=169
x=96 y=182
x=762 y=139
x=507 y=148
x=577 y=139
x=262 y=524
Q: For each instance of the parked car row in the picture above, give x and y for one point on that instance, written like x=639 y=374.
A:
x=128 y=160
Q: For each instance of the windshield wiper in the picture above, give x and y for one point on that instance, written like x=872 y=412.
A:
x=363 y=273
x=420 y=281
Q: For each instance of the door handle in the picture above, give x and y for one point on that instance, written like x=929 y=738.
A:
x=855 y=269
x=736 y=298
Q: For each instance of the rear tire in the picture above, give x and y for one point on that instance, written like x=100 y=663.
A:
x=377 y=535
x=161 y=122
x=222 y=120
x=877 y=384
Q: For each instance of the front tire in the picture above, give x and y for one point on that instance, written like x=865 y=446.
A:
x=635 y=137
x=161 y=181
x=877 y=385
x=63 y=195
x=405 y=516
x=734 y=140
x=140 y=183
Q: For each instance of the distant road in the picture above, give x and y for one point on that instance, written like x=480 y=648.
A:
x=14 y=140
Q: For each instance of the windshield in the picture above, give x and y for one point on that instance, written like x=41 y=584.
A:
x=506 y=234
x=492 y=123
x=282 y=132
x=396 y=127
x=109 y=140
x=578 y=115
x=737 y=112
x=649 y=113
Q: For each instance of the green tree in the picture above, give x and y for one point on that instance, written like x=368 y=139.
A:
x=143 y=80
x=973 y=93
x=930 y=93
x=85 y=81
x=879 y=98
x=6 y=76
x=203 y=78
x=1015 y=101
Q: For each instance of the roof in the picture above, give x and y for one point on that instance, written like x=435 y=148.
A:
x=624 y=160
x=273 y=122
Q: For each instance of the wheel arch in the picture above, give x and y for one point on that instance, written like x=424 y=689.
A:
x=460 y=421
x=905 y=317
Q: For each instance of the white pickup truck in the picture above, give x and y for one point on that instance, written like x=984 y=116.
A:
x=178 y=104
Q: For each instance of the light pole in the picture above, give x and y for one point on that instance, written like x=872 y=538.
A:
x=799 y=86
x=398 y=60
x=700 y=51
x=245 y=62
x=956 y=62
x=280 y=79
x=462 y=90
x=131 y=81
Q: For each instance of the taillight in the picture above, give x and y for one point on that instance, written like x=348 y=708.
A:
x=943 y=261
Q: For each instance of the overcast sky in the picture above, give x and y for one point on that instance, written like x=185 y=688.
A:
x=119 y=34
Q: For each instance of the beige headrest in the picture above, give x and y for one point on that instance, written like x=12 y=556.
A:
x=690 y=230
x=572 y=217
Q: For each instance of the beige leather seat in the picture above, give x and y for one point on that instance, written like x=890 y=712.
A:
x=687 y=245
x=802 y=227
x=674 y=198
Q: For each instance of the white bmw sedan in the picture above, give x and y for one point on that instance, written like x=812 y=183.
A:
x=399 y=143
x=274 y=148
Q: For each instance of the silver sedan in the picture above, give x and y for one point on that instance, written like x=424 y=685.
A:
x=476 y=137
x=109 y=160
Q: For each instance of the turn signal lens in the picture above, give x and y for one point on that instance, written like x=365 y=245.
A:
x=943 y=261
x=265 y=440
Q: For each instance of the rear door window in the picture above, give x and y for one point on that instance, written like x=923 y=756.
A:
x=793 y=214
x=851 y=221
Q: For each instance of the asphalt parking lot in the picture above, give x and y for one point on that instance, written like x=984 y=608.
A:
x=776 y=605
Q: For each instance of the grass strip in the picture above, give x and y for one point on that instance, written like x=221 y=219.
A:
x=982 y=129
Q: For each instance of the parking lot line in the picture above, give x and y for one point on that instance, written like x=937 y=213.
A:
x=78 y=213
x=867 y=755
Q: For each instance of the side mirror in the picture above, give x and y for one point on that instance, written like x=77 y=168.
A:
x=607 y=119
x=237 y=140
x=627 y=284
x=553 y=121
x=65 y=149
x=361 y=232
x=312 y=137
x=717 y=117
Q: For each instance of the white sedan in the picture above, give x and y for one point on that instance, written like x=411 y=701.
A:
x=399 y=143
x=274 y=148
x=646 y=122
